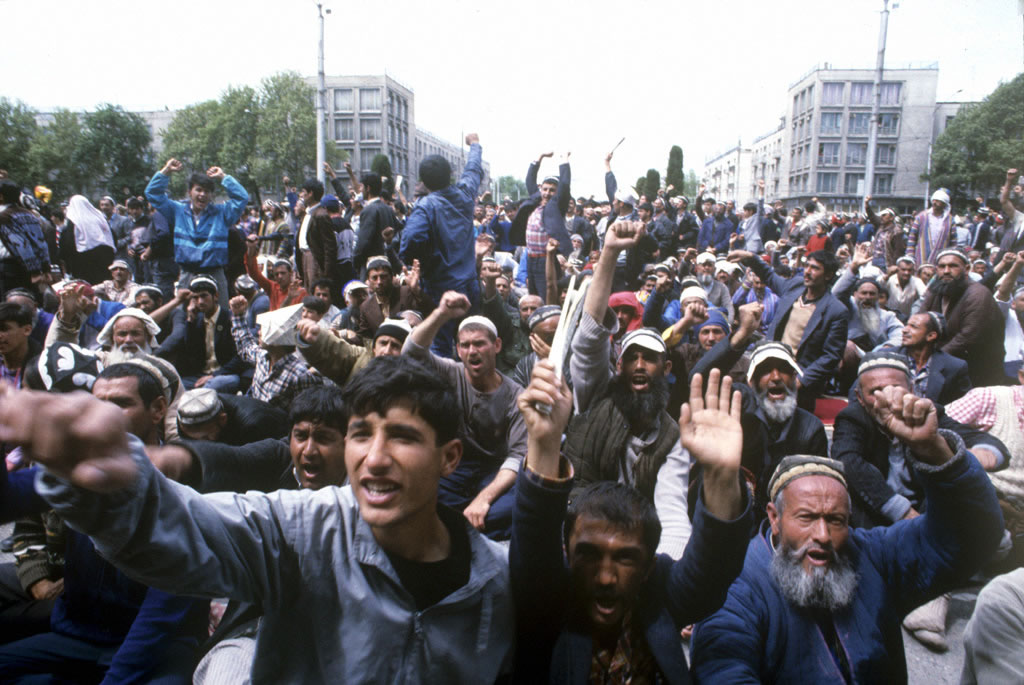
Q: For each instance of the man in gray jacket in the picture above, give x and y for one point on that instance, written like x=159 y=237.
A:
x=372 y=581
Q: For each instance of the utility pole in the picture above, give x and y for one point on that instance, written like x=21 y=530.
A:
x=876 y=104
x=321 y=101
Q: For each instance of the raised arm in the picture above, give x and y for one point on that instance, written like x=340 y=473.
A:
x=473 y=172
x=1004 y=194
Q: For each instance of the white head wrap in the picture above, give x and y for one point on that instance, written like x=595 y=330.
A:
x=91 y=227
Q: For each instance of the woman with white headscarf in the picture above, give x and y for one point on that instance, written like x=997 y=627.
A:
x=86 y=243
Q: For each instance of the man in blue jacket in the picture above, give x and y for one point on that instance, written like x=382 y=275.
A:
x=820 y=602
x=200 y=226
x=612 y=610
x=439 y=233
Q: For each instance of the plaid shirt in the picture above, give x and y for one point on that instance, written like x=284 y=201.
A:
x=274 y=384
x=978 y=408
x=536 y=236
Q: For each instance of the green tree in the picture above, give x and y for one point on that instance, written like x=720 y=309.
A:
x=511 y=187
x=17 y=128
x=981 y=143
x=674 y=173
x=641 y=186
x=115 y=146
x=55 y=156
x=652 y=184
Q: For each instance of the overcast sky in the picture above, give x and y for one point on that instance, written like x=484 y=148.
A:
x=528 y=75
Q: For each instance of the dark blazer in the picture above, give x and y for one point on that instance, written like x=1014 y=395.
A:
x=554 y=212
x=370 y=316
x=824 y=339
x=975 y=325
x=948 y=379
x=1010 y=242
x=859 y=442
x=374 y=218
x=185 y=347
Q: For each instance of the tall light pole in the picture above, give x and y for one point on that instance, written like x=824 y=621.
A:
x=321 y=101
x=876 y=104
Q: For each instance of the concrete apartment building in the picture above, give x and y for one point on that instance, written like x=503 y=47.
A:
x=371 y=115
x=820 y=147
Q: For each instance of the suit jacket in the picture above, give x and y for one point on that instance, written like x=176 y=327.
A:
x=323 y=243
x=375 y=217
x=370 y=316
x=185 y=347
x=554 y=212
x=948 y=379
x=1010 y=241
x=824 y=338
x=975 y=326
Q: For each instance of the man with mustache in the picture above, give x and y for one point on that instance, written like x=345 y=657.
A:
x=973 y=318
x=622 y=431
x=773 y=426
x=819 y=601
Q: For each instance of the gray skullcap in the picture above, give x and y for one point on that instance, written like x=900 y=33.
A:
x=477 y=320
x=884 y=359
x=909 y=260
x=799 y=465
x=551 y=178
x=149 y=289
x=541 y=314
x=576 y=236
x=245 y=282
x=378 y=262
x=119 y=264
x=646 y=338
x=770 y=349
x=952 y=251
x=199 y=406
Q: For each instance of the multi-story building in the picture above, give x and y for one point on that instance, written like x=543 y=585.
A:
x=820 y=149
x=727 y=174
x=371 y=115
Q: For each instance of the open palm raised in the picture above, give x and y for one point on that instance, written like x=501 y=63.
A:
x=709 y=425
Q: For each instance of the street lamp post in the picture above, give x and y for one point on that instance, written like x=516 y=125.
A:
x=321 y=102
x=876 y=104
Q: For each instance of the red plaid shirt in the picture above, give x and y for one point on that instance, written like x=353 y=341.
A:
x=978 y=408
x=536 y=236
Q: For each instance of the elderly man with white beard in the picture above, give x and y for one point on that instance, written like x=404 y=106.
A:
x=818 y=601
x=128 y=334
x=773 y=425
x=870 y=325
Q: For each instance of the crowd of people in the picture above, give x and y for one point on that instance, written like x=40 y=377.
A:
x=350 y=436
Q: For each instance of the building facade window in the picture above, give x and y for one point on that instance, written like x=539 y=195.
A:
x=885 y=155
x=832 y=93
x=860 y=93
x=828 y=154
x=343 y=100
x=856 y=153
x=343 y=129
x=366 y=156
x=369 y=99
x=859 y=124
x=369 y=129
x=889 y=125
x=853 y=184
x=891 y=93
x=831 y=123
x=827 y=182
x=883 y=184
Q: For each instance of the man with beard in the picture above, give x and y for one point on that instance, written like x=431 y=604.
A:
x=773 y=426
x=938 y=376
x=494 y=434
x=973 y=318
x=884 y=486
x=609 y=610
x=932 y=231
x=820 y=602
x=622 y=431
x=808 y=318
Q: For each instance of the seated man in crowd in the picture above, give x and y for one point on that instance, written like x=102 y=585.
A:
x=200 y=346
x=821 y=601
x=610 y=610
x=517 y=344
x=204 y=414
x=280 y=372
x=493 y=434
x=622 y=431
x=905 y=289
x=119 y=287
x=286 y=288
x=882 y=483
x=938 y=376
x=973 y=319
x=870 y=325
x=808 y=318
x=773 y=426
x=387 y=298
x=349 y=579
x=337 y=359
x=104 y=625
